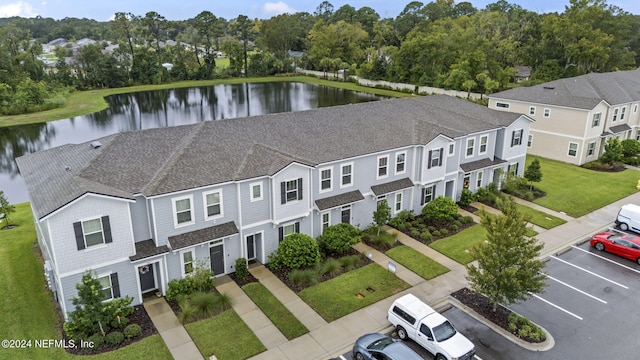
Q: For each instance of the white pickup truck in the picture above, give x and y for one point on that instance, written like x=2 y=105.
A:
x=416 y=320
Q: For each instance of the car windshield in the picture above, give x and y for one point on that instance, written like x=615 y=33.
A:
x=380 y=344
x=444 y=331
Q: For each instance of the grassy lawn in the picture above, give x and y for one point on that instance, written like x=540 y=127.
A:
x=542 y=219
x=281 y=317
x=347 y=293
x=87 y=102
x=455 y=246
x=416 y=262
x=577 y=191
x=26 y=306
x=531 y=232
x=226 y=336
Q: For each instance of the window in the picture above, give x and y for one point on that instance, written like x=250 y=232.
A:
x=398 y=203
x=470 y=144
x=624 y=109
x=400 y=162
x=615 y=114
x=182 y=210
x=591 y=149
x=532 y=110
x=346 y=174
x=325 y=179
x=573 y=149
x=502 y=105
x=452 y=148
x=109 y=287
x=428 y=194
x=404 y=315
x=529 y=140
x=516 y=138
x=290 y=190
x=479 y=179
x=379 y=200
x=326 y=220
x=483 y=144
x=383 y=163
x=466 y=181
x=256 y=191
x=547 y=113
x=286 y=230
x=638 y=135
x=596 y=119
x=92 y=232
x=635 y=108
x=188 y=262
x=212 y=204
x=513 y=169
x=345 y=214
x=435 y=158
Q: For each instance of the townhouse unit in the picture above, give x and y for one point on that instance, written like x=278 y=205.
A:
x=144 y=207
x=574 y=117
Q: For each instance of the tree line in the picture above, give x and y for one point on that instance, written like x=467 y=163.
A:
x=440 y=43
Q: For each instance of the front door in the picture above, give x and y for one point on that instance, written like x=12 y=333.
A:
x=217 y=259
x=147 y=279
x=346 y=214
x=251 y=247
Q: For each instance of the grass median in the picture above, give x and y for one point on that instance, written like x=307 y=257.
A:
x=420 y=264
x=456 y=246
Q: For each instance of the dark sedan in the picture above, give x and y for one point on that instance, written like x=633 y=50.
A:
x=625 y=245
x=382 y=347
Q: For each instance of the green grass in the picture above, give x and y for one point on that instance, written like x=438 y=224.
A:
x=577 y=191
x=281 y=317
x=87 y=102
x=338 y=297
x=455 y=246
x=416 y=262
x=27 y=308
x=226 y=336
x=542 y=219
x=530 y=232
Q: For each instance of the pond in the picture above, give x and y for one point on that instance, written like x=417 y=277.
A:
x=162 y=108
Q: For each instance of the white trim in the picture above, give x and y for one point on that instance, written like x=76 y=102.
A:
x=205 y=205
x=532 y=111
x=61 y=299
x=378 y=167
x=569 y=149
x=614 y=114
x=328 y=213
x=503 y=105
x=84 y=235
x=175 y=214
x=623 y=112
x=290 y=165
x=449 y=151
x=593 y=118
x=155 y=223
x=133 y=239
x=108 y=276
x=291 y=218
x=486 y=145
x=556 y=134
x=191 y=250
x=479 y=178
x=529 y=140
x=94 y=266
x=199 y=188
x=546 y=113
x=320 y=179
x=404 y=162
x=541 y=104
x=287 y=201
x=255 y=244
x=342 y=174
x=72 y=202
x=466 y=148
x=594 y=148
x=53 y=250
x=259 y=223
x=635 y=108
x=396 y=202
x=155 y=275
x=251 y=186
x=214 y=243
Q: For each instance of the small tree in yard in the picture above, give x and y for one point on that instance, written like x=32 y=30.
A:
x=508 y=266
x=612 y=151
x=440 y=208
x=382 y=215
x=630 y=147
x=533 y=172
x=338 y=238
x=5 y=208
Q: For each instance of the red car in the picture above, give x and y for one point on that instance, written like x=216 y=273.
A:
x=625 y=245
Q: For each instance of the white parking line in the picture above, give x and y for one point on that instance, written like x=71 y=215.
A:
x=555 y=306
x=604 y=258
x=589 y=272
x=574 y=288
x=342 y=357
x=477 y=357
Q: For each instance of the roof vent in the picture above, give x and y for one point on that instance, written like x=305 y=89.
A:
x=67 y=168
x=549 y=87
x=96 y=144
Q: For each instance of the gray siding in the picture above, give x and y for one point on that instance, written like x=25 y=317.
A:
x=257 y=210
x=296 y=208
x=139 y=219
x=232 y=251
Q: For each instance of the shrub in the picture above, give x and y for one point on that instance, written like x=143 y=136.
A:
x=444 y=232
x=435 y=233
x=425 y=236
x=440 y=208
x=337 y=239
x=242 y=271
x=431 y=228
x=630 y=147
x=467 y=220
x=298 y=251
x=96 y=339
x=132 y=331
x=223 y=302
x=415 y=233
x=119 y=322
x=525 y=328
x=458 y=223
x=403 y=216
x=350 y=262
x=204 y=303
x=303 y=277
x=201 y=280
x=634 y=161
x=114 y=338
x=453 y=227
x=466 y=198
x=384 y=240
x=188 y=313
x=402 y=226
x=332 y=267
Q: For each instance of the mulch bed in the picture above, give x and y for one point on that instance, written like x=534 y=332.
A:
x=139 y=317
x=468 y=208
x=480 y=304
x=242 y=282
x=442 y=224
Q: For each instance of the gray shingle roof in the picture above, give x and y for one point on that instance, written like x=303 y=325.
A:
x=148 y=248
x=339 y=200
x=481 y=164
x=619 y=128
x=392 y=186
x=164 y=160
x=202 y=235
x=582 y=92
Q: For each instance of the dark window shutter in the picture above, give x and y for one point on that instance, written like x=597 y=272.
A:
x=283 y=193
x=429 y=162
x=521 y=132
x=115 y=285
x=513 y=137
x=280 y=234
x=300 y=189
x=441 y=156
x=296 y=227
x=106 y=229
x=77 y=228
x=424 y=190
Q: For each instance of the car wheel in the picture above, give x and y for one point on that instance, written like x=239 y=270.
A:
x=440 y=357
x=359 y=356
x=624 y=227
x=638 y=261
x=402 y=333
x=599 y=246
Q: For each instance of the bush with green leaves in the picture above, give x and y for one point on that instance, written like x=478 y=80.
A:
x=242 y=270
x=466 y=198
x=403 y=217
x=132 y=331
x=114 y=338
x=337 y=239
x=297 y=251
x=630 y=147
x=303 y=277
x=331 y=266
x=119 y=322
x=440 y=208
x=425 y=236
x=200 y=280
x=96 y=339
x=351 y=261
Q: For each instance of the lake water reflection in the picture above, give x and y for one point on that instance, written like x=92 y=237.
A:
x=162 y=108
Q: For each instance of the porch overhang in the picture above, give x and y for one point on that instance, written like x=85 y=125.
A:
x=339 y=200
x=203 y=235
x=392 y=186
x=146 y=249
x=481 y=164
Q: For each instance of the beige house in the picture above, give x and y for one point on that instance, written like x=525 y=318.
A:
x=574 y=117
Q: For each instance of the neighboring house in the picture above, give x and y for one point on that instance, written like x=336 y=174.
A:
x=140 y=208
x=574 y=117
x=523 y=73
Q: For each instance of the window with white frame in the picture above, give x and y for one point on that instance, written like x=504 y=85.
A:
x=452 y=149
x=516 y=137
x=635 y=108
x=288 y=230
x=502 y=105
x=591 y=149
x=435 y=158
x=479 y=179
x=398 y=202
x=213 y=204
x=622 y=111
x=326 y=220
x=573 y=149
x=484 y=140
x=638 y=135
x=529 y=140
x=93 y=234
x=470 y=144
x=346 y=175
x=291 y=190
x=325 y=179
x=615 y=114
x=547 y=113
x=400 y=162
x=256 y=191
x=513 y=169
x=532 y=110
x=383 y=166
x=183 y=211
x=596 y=119
x=187 y=259
x=106 y=287
x=428 y=194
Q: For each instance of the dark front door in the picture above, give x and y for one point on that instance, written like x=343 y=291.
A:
x=217 y=259
x=346 y=214
x=147 y=279
x=251 y=247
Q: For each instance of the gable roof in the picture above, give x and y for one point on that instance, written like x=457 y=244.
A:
x=165 y=160
x=582 y=92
